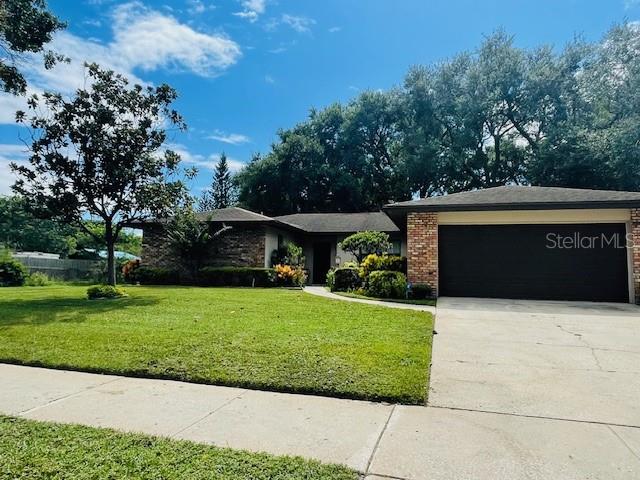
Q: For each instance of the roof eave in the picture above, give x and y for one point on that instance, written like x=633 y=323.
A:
x=396 y=208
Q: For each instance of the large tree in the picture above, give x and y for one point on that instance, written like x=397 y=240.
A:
x=221 y=194
x=25 y=27
x=98 y=156
x=497 y=115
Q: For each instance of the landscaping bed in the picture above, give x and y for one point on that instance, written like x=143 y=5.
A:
x=429 y=302
x=271 y=339
x=72 y=451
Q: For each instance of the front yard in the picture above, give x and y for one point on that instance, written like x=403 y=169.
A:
x=267 y=339
x=70 y=451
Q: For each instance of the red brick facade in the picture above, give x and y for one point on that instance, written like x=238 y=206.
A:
x=635 y=239
x=242 y=246
x=422 y=249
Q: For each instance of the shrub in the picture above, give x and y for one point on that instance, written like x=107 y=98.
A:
x=386 y=284
x=420 y=291
x=104 y=291
x=344 y=279
x=288 y=275
x=382 y=262
x=157 y=276
x=12 y=272
x=331 y=279
x=288 y=254
x=130 y=271
x=38 y=279
x=362 y=244
x=237 y=277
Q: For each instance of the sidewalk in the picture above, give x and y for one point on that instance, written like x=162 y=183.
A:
x=323 y=292
x=378 y=440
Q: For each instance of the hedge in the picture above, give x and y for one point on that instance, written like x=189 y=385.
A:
x=237 y=277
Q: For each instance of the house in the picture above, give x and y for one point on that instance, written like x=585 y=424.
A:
x=504 y=242
x=253 y=238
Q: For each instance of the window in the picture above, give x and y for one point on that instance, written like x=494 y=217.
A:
x=395 y=247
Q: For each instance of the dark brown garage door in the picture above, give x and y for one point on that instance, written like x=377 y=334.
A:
x=550 y=262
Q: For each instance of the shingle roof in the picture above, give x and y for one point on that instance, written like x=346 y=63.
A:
x=522 y=197
x=233 y=214
x=340 y=222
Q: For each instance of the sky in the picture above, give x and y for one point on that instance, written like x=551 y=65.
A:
x=245 y=68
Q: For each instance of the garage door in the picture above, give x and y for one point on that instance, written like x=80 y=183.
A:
x=551 y=262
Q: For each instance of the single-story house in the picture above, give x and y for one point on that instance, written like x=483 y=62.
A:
x=253 y=238
x=503 y=242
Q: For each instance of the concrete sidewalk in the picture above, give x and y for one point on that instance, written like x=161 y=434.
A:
x=378 y=440
x=323 y=292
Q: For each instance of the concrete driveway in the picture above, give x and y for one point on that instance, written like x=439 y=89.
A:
x=572 y=361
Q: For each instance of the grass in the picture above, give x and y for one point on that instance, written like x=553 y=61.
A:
x=37 y=450
x=270 y=339
x=431 y=302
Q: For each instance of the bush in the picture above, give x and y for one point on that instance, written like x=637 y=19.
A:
x=420 y=291
x=38 y=279
x=157 y=276
x=237 y=277
x=362 y=244
x=130 y=271
x=386 y=284
x=382 y=262
x=12 y=273
x=344 y=279
x=104 y=291
x=288 y=275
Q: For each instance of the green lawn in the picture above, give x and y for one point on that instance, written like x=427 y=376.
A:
x=37 y=450
x=269 y=339
x=429 y=302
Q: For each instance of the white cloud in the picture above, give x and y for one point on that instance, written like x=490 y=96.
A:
x=631 y=3
x=298 y=23
x=197 y=7
x=10 y=153
x=143 y=39
x=269 y=79
x=148 y=39
x=334 y=29
x=202 y=161
x=230 y=138
x=252 y=9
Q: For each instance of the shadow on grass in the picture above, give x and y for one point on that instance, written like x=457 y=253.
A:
x=64 y=309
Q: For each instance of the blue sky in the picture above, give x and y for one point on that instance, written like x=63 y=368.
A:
x=245 y=68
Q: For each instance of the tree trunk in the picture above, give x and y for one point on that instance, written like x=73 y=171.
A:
x=111 y=260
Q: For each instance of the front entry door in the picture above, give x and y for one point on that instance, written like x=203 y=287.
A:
x=321 y=261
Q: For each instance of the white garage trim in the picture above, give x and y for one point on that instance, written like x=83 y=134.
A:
x=613 y=215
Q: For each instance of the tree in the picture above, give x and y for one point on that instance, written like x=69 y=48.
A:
x=221 y=193
x=21 y=230
x=342 y=159
x=25 y=26
x=192 y=238
x=97 y=155
x=362 y=244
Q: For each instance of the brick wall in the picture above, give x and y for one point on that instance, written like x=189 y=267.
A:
x=635 y=238
x=242 y=246
x=422 y=249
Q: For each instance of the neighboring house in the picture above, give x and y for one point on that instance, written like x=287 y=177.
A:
x=504 y=242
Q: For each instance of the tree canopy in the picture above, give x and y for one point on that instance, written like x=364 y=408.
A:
x=498 y=115
x=21 y=230
x=99 y=156
x=25 y=27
